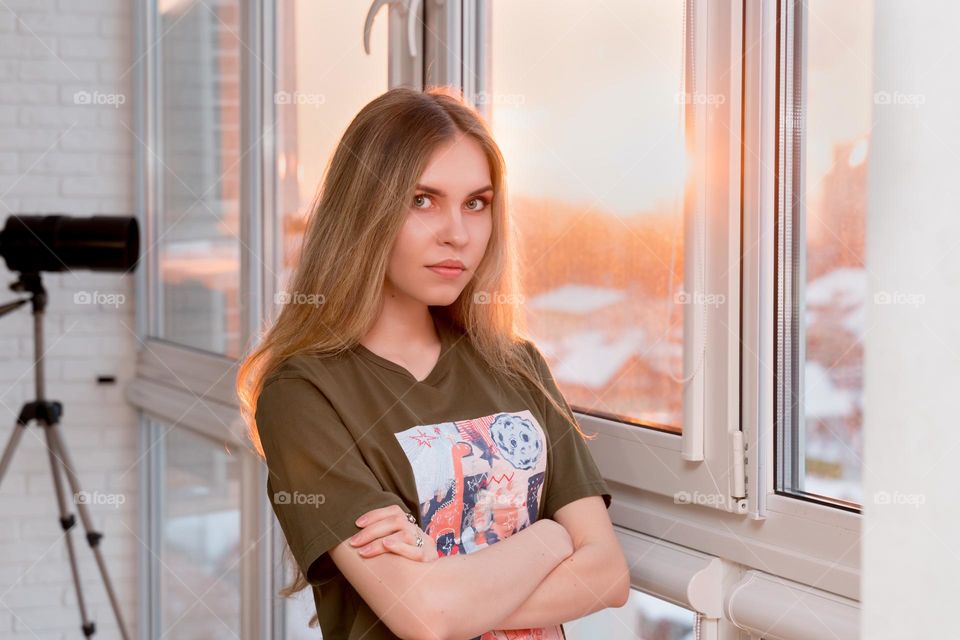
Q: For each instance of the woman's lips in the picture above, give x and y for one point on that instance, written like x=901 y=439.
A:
x=447 y=272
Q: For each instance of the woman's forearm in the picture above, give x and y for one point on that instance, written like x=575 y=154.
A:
x=472 y=593
x=577 y=587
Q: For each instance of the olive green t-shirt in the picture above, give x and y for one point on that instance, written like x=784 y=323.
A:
x=473 y=459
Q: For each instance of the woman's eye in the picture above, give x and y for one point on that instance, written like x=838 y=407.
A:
x=418 y=199
x=481 y=204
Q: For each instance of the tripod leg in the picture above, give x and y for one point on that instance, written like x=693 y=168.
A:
x=67 y=521
x=93 y=537
x=12 y=443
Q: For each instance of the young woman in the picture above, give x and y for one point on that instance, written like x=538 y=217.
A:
x=428 y=476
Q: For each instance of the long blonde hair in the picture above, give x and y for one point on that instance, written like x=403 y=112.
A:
x=366 y=192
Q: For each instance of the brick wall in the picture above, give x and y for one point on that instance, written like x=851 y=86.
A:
x=66 y=146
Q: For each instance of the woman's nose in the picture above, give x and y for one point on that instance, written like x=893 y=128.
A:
x=454 y=230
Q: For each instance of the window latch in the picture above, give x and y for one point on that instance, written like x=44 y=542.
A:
x=412 y=8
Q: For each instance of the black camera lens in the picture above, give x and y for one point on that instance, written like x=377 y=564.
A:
x=30 y=244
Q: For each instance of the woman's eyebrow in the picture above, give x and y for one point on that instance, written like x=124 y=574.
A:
x=438 y=192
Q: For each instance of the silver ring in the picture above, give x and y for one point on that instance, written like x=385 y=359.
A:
x=413 y=520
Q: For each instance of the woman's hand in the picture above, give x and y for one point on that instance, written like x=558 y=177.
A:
x=388 y=530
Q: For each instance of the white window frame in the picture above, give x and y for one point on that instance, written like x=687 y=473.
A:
x=803 y=549
x=827 y=536
x=698 y=463
x=178 y=387
x=404 y=69
x=807 y=548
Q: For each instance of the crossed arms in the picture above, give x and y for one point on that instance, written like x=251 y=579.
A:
x=550 y=572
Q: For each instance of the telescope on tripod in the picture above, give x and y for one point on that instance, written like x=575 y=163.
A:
x=30 y=245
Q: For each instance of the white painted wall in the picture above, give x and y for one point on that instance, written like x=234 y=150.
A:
x=60 y=153
x=911 y=524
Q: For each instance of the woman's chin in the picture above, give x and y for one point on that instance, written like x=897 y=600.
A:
x=441 y=296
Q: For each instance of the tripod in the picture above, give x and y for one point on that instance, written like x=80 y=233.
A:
x=47 y=414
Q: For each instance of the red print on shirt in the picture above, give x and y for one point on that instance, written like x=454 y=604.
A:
x=480 y=481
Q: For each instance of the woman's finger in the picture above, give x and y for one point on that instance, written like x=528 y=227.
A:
x=379 y=529
x=405 y=545
x=376 y=514
x=395 y=544
x=375 y=548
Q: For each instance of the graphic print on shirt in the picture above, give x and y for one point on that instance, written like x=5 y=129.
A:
x=479 y=481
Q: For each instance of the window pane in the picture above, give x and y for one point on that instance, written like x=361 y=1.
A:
x=298 y=609
x=200 y=571
x=585 y=106
x=198 y=169
x=644 y=617
x=322 y=82
x=839 y=102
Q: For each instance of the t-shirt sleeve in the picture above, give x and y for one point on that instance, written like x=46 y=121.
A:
x=318 y=482
x=572 y=472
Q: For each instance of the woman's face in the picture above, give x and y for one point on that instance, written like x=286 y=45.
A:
x=448 y=218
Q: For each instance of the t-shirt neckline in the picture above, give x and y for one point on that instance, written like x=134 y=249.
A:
x=439 y=368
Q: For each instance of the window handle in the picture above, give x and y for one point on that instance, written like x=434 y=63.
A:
x=413 y=10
